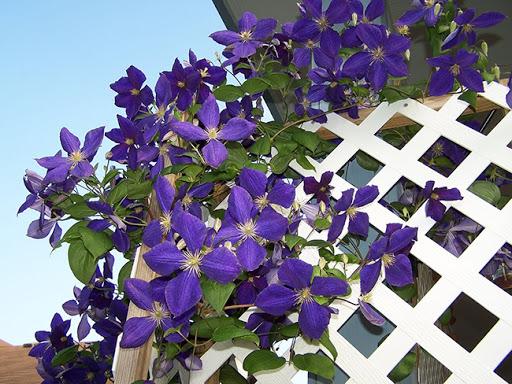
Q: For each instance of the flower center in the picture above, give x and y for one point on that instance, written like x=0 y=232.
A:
x=333 y=84
x=429 y=3
x=204 y=73
x=351 y=212
x=129 y=141
x=378 y=54
x=163 y=149
x=323 y=23
x=305 y=103
x=455 y=69
x=181 y=84
x=245 y=36
x=165 y=223
x=89 y=376
x=438 y=149
x=192 y=262
x=467 y=28
x=434 y=196
x=76 y=157
x=134 y=91
x=261 y=201
x=158 y=313
x=303 y=296
x=63 y=339
x=388 y=259
x=403 y=30
x=247 y=229
x=187 y=200
x=310 y=44
x=161 y=111
x=213 y=133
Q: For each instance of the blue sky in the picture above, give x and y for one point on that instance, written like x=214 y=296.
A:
x=58 y=59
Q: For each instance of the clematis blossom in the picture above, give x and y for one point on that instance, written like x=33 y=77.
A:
x=434 y=207
x=131 y=94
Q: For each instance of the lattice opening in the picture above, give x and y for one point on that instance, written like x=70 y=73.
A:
x=348 y=242
x=400 y=136
x=499 y=268
x=444 y=156
x=485 y=121
x=340 y=377
x=504 y=370
x=365 y=337
x=360 y=169
x=494 y=186
x=403 y=198
x=429 y=368
x=466 y=322
x=455 y=232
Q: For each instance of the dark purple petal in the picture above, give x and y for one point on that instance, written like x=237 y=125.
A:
x=183 y=292
x=359 y=224
x=69 y=142
x=221 y=265
x=465 y=17
x=371 y=314
x=250 y=254
x=337 y=12
x=377 y=75
x=435 y=209
x=448 y=194
x=209 y=113
x=369 y=276
x=275 y=299
x=488 y=19
x=37 y=231
x=58 y=174
x=56 y=235
x=139 y=292
x=370 y=34
x=247 y=21
x=188 y=131
x=337 y=225
x=164 y=258
x=253 y=181
x=83 y=328
x=282 y=194
x=465 y=58
x=401 y=238
x=152 y=233
x=471 y=79
x=399 y=274
x=264 y=28
x=245 y=48
x=375 y=9
x=71 y=308
x=228 y=231
x=225 y=37
x=164 y=193
x=441 y=83
x=441 y=61
x=100 y=206
x=345 y=201
x=295 y=273
x=411 y=17
x=236 y=129
x=136 y=331
x=92 y=142
x=365 y=195
x=240 y=205
x=136 y=76
x=396 y=65
x=313 y=319
x=191 y=229
x=357 y=64
x=121 y=240
x=396 y=44
x=215 y=153
x=329 y=286
x=271 y=225
x=82 y=169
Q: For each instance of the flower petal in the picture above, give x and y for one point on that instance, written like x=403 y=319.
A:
x=183 y=292
x=369 y=275
x=240 y=205
x=69 y=142
x=92 y=142
x=329 y=286
x=295 y=273
x=250 y=254
x=441 y=83
x=209 y=113
x=359 y=224
x=275 y=299
x=236 y=129
x=188 y=130
x=136 y=331
x=139 y=292
x=215 y=153
x=190 y=228
x=313 y=319
x=253 y=181
x=282 y=194
x=371 y=314
x=220 y=265
x=337 y=225
x=164 y=193
x=366 y=195
x=271 y=225
x=399 y=274
x=164 y=258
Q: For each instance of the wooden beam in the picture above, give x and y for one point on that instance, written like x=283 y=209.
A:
x=16 y=366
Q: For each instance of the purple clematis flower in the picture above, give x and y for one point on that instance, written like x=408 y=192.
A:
x=56 y=338
x=208 y=74
x=187 y=196
x=428 y=10
x=77 y=163
x=500 y=264
x=184 y=83
x=456 y=232
x=374 y=10
x=215 y=153
x=251 y=35
x=383 y=56
x=130 y=92
x=321 y=190
x=263 y=192
x=299 y=289
x=450 y=68
x=434 y=208
x=467 y=23
x=246 y=226
x=242 y=109
x=391 y=251
x=160 y=228
x=348 y=207
x=183 y=292
x=303 y=106
x=316 y=21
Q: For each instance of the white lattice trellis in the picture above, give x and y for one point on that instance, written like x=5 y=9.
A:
x=415 y=325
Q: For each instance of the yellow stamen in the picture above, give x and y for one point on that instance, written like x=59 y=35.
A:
x=261 y=202
x=323 y=23
x=388 y=259
x=192 y=262
x=129 y=141
x=245 y=35
x=213 y=133
x=247 y=229
x=165 y=223
x=134 y=91
x=351 y=212
x=378 y=54
x=304 y=296
x=455 y=69
x=76 y=157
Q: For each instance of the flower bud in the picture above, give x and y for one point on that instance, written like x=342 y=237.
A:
x=344 y=258
x=195 y=122
x=437 y=9
x=453 y=26
x=181 y=244
x=497 y=72
x=295 y=205
x=322 y=207
x=485 y=48
x=217 y=224
x=354 y=18
x=407 y=55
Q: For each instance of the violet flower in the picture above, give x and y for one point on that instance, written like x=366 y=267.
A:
x=317 y=21
x=219 y=264
x=263 y=192
x=299 y=289
x=450 y=68
x=250 y=36
x=428 y=10
x=303 y=105
x=187 y=194
x=466 y=25
x=348 y=206
x=242 y=109
x=160 y=228
x=244 y=225
x=208 y=74
x=383 y=56
x=214 y=152
x=77 y=163
x=131 y=94
x=321 y=190
x=56 y=338
x=391 y=251
x=184 y=83
x=434 y=208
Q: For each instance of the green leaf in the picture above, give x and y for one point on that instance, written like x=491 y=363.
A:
x=262 y=360
x=277 y=80
x=255 y=85
x=307 y=139
x=280 y=162
x=233 y=332
x=469 y=97
x=216 y=294
x=229 y=375
x=65 y=355
x=97 y=243
x=172 y=350
x=291 y=330
x=367 y=162
x=487 y=191
x=404 y=368
x=118 y=193
x=139 y=190
x=406 y=292
x=316 y=364
x=228 y=93
x=391 y=95
x=292 y=240
x=322 y=223
x=80 y=211
x=81 y=262
x=327 y=343
x=205 y=327
x=237 y=156
x=261 y=146
x=303 y=161
x=124 y=273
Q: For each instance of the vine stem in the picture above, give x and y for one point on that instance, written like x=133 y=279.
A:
x=238 y=306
